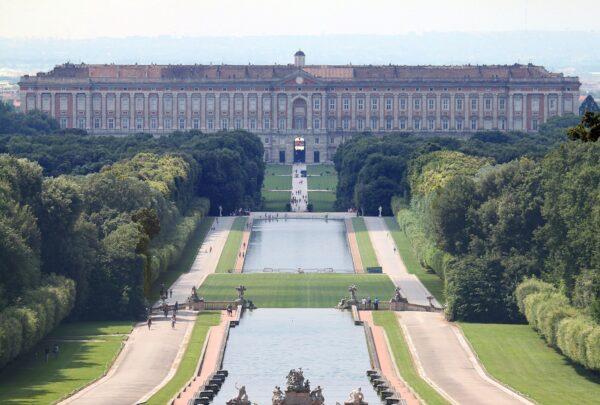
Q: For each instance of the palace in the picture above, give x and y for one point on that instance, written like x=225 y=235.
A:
x=301 y=112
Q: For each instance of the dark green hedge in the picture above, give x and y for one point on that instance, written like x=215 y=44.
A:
x=43 y=308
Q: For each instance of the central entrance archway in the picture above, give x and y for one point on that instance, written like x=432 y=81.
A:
x=299 y=150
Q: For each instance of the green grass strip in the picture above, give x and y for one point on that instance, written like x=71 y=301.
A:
x=322 y=201
x=30 y=380
x=367 y=254
x=275 y=200
x=186 y=260
x=190 y=359
x=274 y=290
x=232 y=245
x=430 y=280
x=275 y=169
x=403 y=358
x=517 y=356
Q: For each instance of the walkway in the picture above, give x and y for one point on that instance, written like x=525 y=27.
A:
x=299 y=188
x=353 y=246
x=392 y=264
x=151 y=356
x=444 y=357
x=386 y=361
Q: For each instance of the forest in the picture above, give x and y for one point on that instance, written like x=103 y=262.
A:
x=494 y=211
x=87 y=224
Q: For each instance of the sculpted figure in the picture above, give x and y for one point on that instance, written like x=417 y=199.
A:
x=356 y=397
x=278 y=396
x=352 y=289
x=317 y=395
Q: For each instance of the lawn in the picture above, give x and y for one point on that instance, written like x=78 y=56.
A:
x=403 y=358
x=322 y=201
x=295 y=290
x=322 y=177
x=275 y=200
x=190 y=358
x=320 y=169
x=367 y=254
x=33 y=381
x=519 y=357
x=277 y=183
x=272 y=169
x=232 y=246
x=184 y=264
x=430 y=280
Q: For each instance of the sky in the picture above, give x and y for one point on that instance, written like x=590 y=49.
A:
x=82 y=19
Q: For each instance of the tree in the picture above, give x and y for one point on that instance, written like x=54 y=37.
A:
x=588 y=130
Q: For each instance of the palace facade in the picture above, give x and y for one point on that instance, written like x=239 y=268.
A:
x=309 y=109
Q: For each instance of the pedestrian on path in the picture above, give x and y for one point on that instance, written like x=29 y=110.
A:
x=229 y=310
x=46 y=353
x=149 y=322
x=376 y=304
x=176 y=308
x=55 y=350
x=210 y=249
x=171 y=293
x=173 y=320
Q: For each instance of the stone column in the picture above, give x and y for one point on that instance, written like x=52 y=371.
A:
x=509 y=112
x=352 y=112
x=89 y=114
x=309 y=112
x=438 y=112
x=381 y=112
x=480 y=108
x=338 y=108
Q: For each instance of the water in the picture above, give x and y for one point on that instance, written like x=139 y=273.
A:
x=331 y=350
x=298 y=243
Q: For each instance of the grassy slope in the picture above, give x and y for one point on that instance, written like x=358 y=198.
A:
x=431 y=281
x=320 y=169
x=322 y=183
x=275 y=200
x=33 y=381
x=367 y=254
x=404 y=360
x=190 y=358
x=295 y=290
x=277 y=183
x=272 y=169
x=519 y=357
x=232 y=246
x=184 y=264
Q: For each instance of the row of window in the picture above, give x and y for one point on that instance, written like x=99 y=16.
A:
x=431 y=103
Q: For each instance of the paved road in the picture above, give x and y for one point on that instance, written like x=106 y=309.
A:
x=392 y=263
x=149 y=356
x=447 y=361
x=299 y=188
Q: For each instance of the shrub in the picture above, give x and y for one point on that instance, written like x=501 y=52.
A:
x=529 y=286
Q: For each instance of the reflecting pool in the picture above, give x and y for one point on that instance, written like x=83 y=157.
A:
x=292 y=244
x=331 y=350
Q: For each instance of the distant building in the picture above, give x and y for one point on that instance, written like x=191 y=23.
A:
x=588 y=105
x=318 y=105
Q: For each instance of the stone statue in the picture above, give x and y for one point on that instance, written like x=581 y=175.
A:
x=356 y=397
x=295 y=381
x=316 y=395
x=240 y=291
x=241 y=398
x=398 y=296
x=352 y=289
x=278 y=396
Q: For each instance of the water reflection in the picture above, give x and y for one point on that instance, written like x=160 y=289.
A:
x=268 y=343
x=286 y=245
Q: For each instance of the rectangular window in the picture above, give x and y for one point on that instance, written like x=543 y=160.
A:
x=402 y=124
x=168 y=103
x=535 y=104
x=196 y=123
x=282 y=103
x=331 y=103
x=153 y=103
x=181 y=101
x=552 y=104
x=417 y=104
x=62 y=103
x=389 y=123
x=374 y=103
x=331 y=124
x=459 y=104
x=473 y=104
x=210 y=124
x=403 y=103
x=210 y=104
x=346 y=123
x=317 y=140
x=224 y=124
x=266 y=102
x=139 y=103
x=473 y=124
x=430 y=103
x=237 y=123
x=360 y=124
x=96 y=123
x=518 y=104
x=81 y=102
x=125 y=123
x=281 y=124
x=238 y=103
x=431 y=124
x=346 y=104
x=317 y=123
x=445 y=124
x=153 y=123
x=374 y=123
x=488 y=104
x=81 y=123
x=181 y=123
x=360 y=104
x=124 y=103
x=196 y=104
x=111 y=123
x=252 y=104
x=63 y=122
x=46 y=102
x=502 y=123
x=139 y=123
x=266 y=123
x=224 y=103
x=445 y=104
x=417 y=123
x=110 y=102
x=252 y=123
x=459 y=124
x=388 y=104
x=317 y=103
x=168 y=123
x=534 y=124
x=502 y=104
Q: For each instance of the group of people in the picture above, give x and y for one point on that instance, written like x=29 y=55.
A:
x=368 y=304
x=47 y=351
x=297 y=198
x=165 y=293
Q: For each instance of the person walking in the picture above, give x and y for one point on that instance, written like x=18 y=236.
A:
x=46 y=353
x=229 y=310
x=55 y=350
x=149 y=322
x=173 y=320
x=171 y=293
x=376 y=304
x=176 y=307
